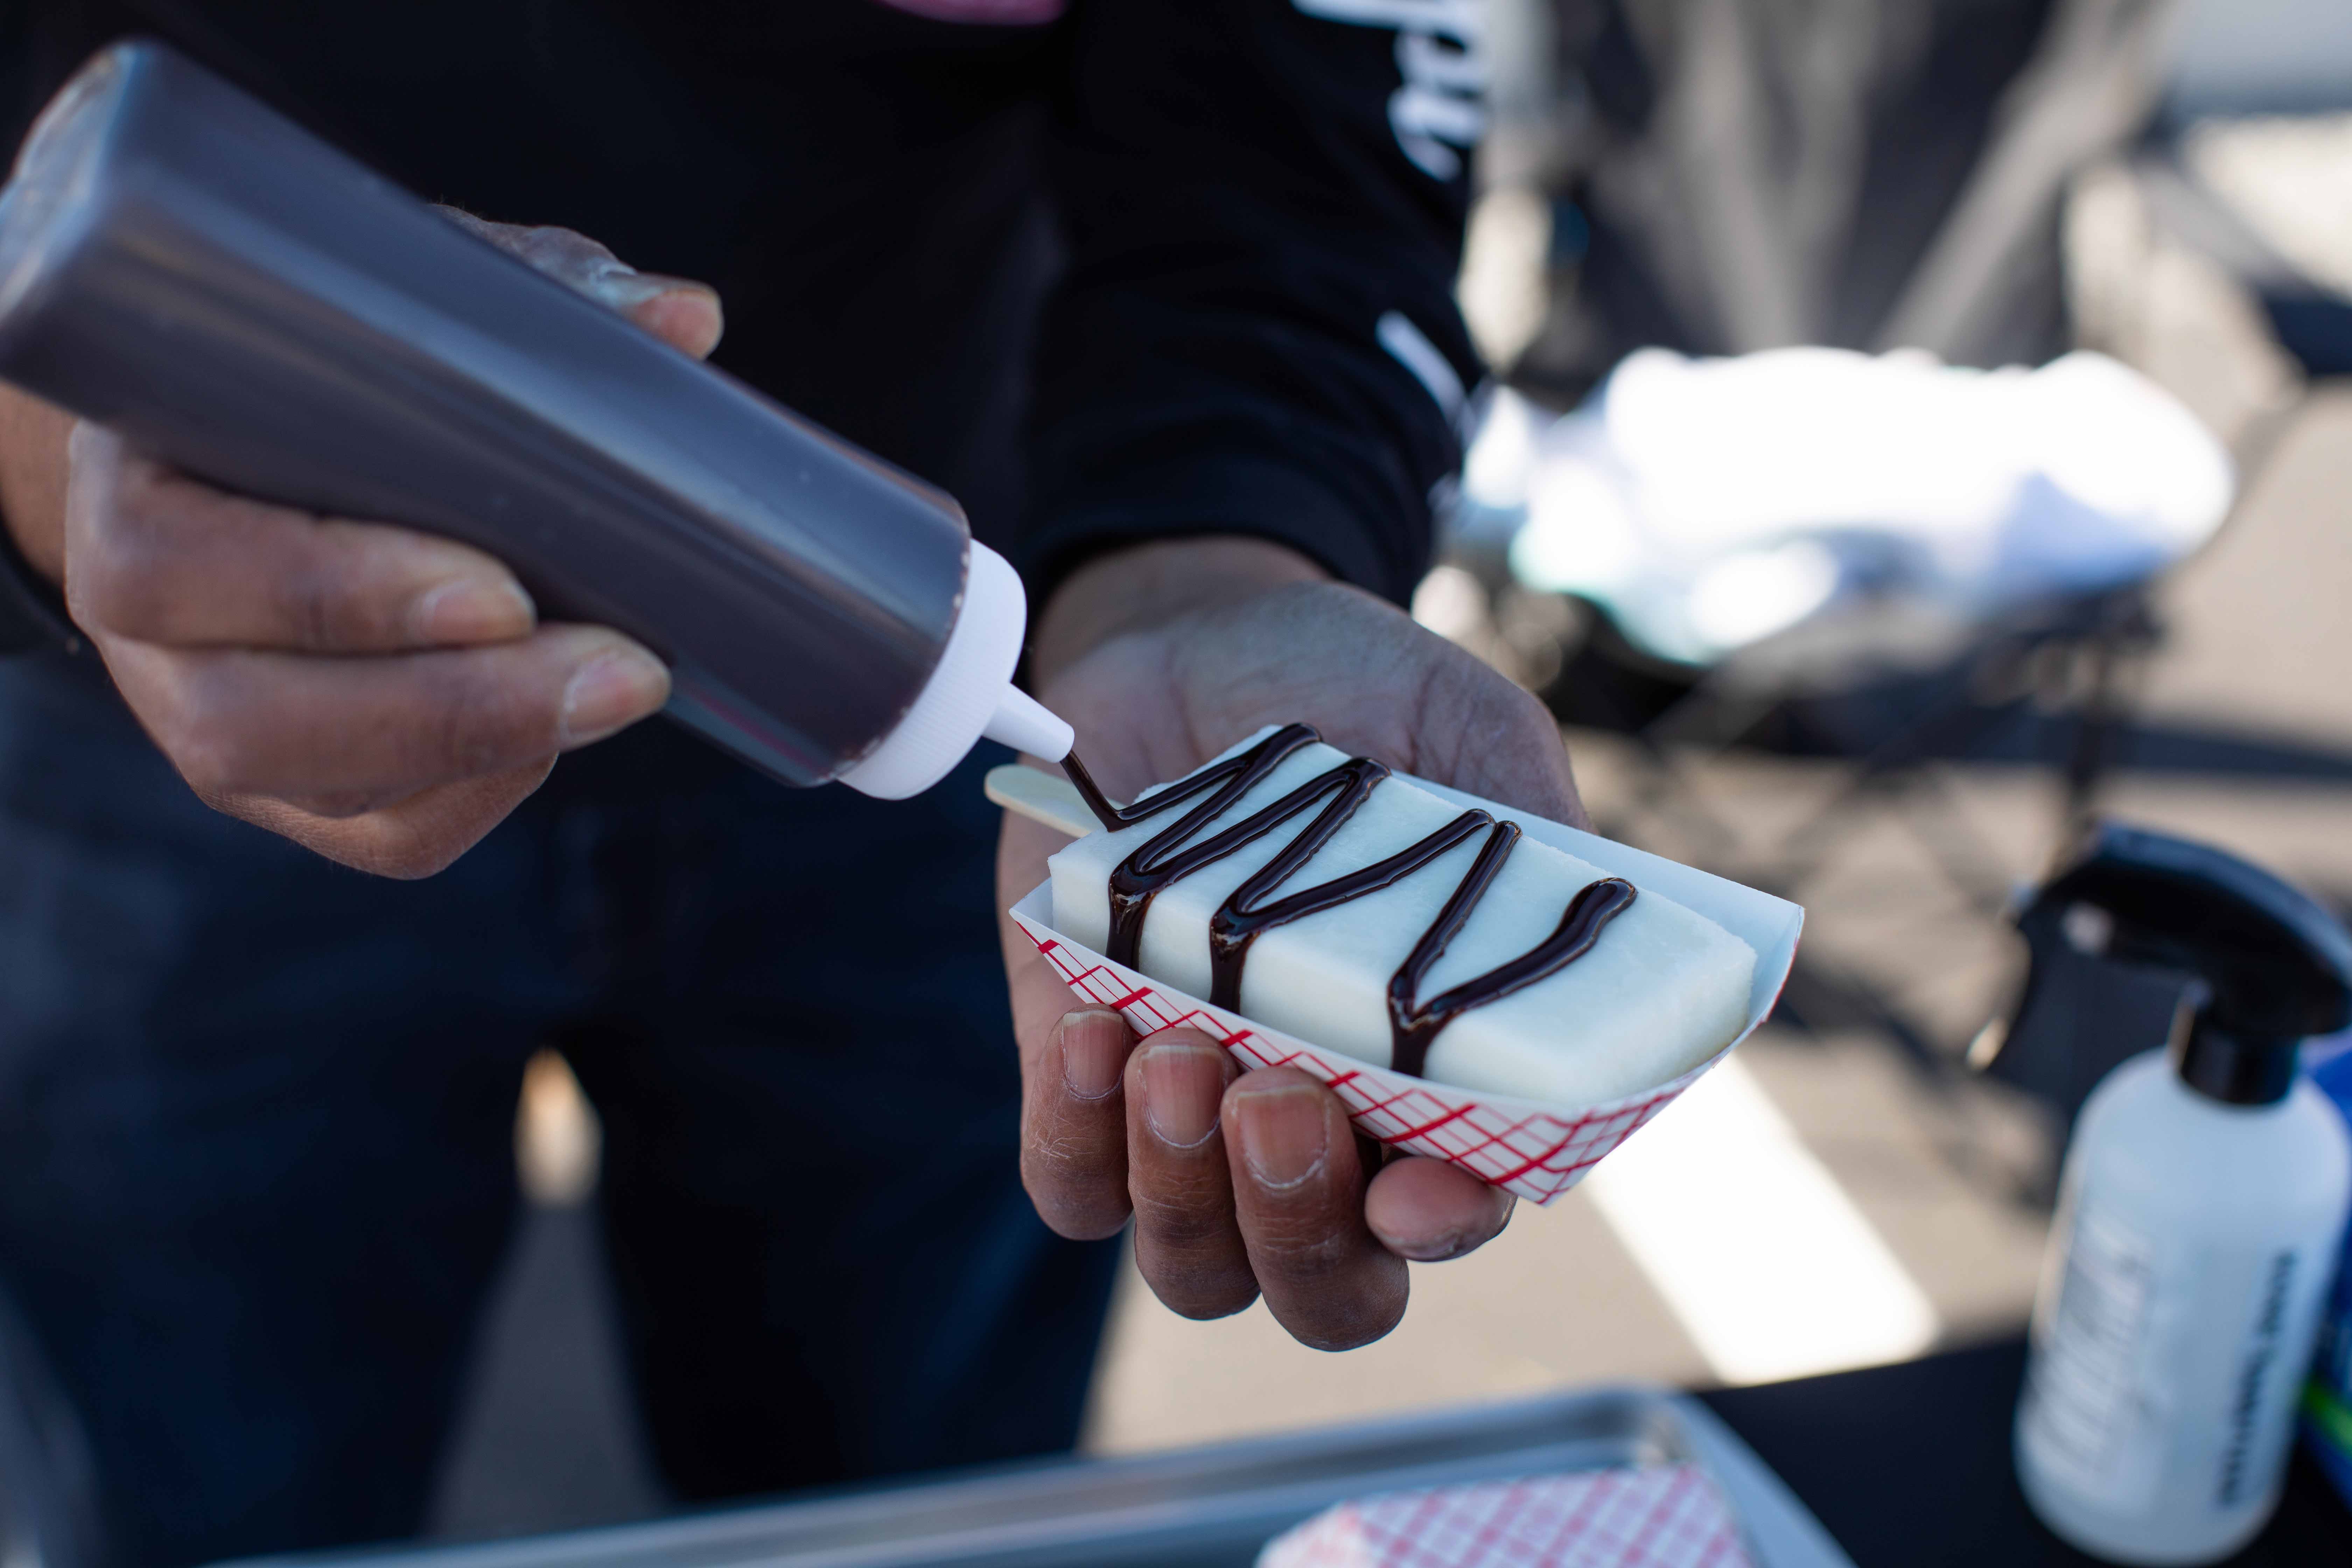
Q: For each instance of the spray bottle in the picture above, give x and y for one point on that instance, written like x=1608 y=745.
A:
x=2199 y=1208
x=241 y=300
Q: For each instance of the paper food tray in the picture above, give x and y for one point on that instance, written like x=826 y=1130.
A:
x=1533 y=1149
x=1669 y=1515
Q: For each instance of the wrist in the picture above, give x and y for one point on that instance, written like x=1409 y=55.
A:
x=1145 y=585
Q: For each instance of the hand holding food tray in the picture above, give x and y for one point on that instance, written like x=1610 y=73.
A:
x=1286 y=882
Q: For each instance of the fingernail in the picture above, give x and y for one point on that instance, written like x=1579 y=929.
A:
x=1441 y=1246
x=1181 y=1087
x=1094 y=1052
x=1430 y=1249
x=468 y=609
x=612 y=689
x=1283 y=1133
x=623 y=288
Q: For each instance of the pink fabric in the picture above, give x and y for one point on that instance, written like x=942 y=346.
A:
x=986 y=13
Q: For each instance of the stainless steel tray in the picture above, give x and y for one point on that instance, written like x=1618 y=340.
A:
x=1197 y=1508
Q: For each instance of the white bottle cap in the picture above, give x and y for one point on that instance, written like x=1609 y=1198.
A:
x=970 y=694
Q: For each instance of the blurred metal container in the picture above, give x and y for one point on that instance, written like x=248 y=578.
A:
x=1202 y=1507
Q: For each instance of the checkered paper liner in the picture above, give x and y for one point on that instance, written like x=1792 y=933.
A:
x=1534 y=1150
x=1538 y=1154
x=1648 y=1516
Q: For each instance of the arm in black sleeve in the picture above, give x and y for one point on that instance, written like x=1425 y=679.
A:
x=1264 y=202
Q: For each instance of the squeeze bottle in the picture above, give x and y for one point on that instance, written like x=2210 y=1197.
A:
x=2199 y=1208
x=242 y=302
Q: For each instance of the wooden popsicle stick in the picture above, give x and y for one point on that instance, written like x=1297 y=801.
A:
x=1041 y=798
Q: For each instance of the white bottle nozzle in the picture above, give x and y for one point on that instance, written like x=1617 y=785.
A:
x=970 y=694
x=1026 y=725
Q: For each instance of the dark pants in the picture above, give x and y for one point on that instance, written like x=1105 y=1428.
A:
x=257 y=1116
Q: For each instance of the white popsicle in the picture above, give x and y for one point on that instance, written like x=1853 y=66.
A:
x=1661 y=989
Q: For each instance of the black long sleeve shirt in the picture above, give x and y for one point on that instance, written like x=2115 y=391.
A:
x=1105 y=270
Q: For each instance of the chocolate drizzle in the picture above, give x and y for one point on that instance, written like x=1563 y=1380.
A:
x=1242 y=918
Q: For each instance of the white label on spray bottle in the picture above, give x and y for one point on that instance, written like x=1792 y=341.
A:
x=2085 y=1399
x=2255 y=1384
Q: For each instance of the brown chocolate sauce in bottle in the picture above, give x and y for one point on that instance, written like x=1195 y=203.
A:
x=1242 y=919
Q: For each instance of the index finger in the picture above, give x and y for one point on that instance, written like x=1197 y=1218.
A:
x=156 y=557
x=682 y=312
x=1073 y=1060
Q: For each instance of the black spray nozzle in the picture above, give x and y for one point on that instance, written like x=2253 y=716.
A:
x=2261 y=964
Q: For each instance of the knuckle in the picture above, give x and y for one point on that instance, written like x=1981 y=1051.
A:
x=556 y=239
x=1303 y=1246
x=214 y=759
x=476 y=715
x=564 y=254
x=122 y=581
x=1186 y=1216
x=132 y=500
x=308 y=609
x=1065 y=1162
x=1069 y=1193
x=206 y=729
x=103 y=597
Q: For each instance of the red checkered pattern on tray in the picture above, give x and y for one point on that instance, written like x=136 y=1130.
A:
x=1535 y=1155
x=1654 y=1516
